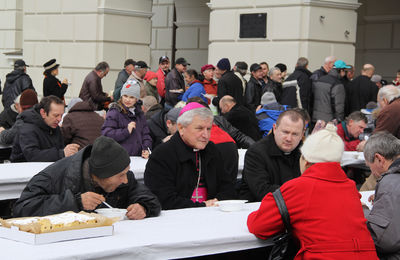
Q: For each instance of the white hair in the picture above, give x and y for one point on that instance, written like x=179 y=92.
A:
x=329 y=59
x=187 y=117
x=272 y=71
x=389 y=92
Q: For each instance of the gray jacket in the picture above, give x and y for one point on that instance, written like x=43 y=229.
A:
x=329 y=97
x=384 y=218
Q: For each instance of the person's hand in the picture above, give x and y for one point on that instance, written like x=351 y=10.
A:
x=211 y=203
x=360 y=146
x=259 y=107
x=91 y=200
x=166 y=139
x=136 y=211
x=2 y=129
x=131 y=125
x=65 y=81
x=145 y=154
x=371 y=198
x=71 y=149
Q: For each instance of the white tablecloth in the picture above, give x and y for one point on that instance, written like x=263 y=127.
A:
x=175 y=234
x=15 y=176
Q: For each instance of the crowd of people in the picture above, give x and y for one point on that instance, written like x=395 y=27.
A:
x=189 y=125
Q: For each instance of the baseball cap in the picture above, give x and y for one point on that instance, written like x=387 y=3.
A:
x=255 y=67
x=339 y=64
x=162 y=59
x=182 y=61
x=20 y=63
x=141 y=65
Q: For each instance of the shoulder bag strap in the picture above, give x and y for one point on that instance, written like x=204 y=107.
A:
x=280 y=202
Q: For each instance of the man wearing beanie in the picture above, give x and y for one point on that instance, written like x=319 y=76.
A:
x=273 y=160
x=97 y=173
x=228 y=83
x=323 y=204
x=27 y=100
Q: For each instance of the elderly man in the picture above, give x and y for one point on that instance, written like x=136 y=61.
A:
x=187 y=171
x=97 y=173
x=389 y=117
x=16 y=82
x=361 y=90
x=228 y=83
x=138 y=73
x=382 y=155
x=163 y=70
x=274 y=83
x=350 y=130
x=162 y=125
x=273 y=160
x=92 y=89
x=39 y=138
x=328 y=65
x=123 y=76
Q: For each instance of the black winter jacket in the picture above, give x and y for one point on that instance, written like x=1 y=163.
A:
x=36 y=141
x=242 y=140
x=7 y=118
x=317 y=74
x=302 y=75
x=244 y=120
x=158 y=127
x=229 y=84
x=58 y=187
x=53 y=86
x=274 y=87
x=16 y=82
x=253 y=94
x=329 y=98
x=361 y=90
x=266 y=168
x=173 y=81
x=171 y=174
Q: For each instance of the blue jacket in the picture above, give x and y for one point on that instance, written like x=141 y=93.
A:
x=195 y=90
x=268 y=115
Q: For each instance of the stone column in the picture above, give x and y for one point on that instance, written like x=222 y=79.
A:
x=310 y=28
x=79 y=34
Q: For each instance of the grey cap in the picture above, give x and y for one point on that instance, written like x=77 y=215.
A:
x=173 y=114
x=376 y=78
x=268 y=98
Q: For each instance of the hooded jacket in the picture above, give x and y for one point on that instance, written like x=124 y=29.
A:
x=58 y=188
x=302 y=75
x=16 y=82
x=116 y=127
x=8 y=117
x=36 y=141
x=229 y=84
x=75 y=127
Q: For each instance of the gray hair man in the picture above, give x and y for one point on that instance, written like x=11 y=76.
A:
x=325 y=68
x=389 y=117
x=138 y=74
x=382 y=155
x=187 y=171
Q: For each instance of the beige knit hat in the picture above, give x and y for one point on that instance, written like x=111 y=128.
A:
x=323 y=146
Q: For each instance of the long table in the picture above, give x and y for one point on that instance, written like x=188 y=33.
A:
x=174 y=234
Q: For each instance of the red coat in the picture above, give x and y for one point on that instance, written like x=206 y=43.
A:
x=350 y=143
x=325 y=213
x=161 y=82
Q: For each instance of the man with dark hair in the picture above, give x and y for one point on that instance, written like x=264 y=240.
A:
x=16 y=82
x=302 y=75
x=351 y=129
x=92 y=89
x=228 y=83
x=174 y=83
x=162 y=72
x=123 y=76
x=273 y=160
x=382 y=155
x=39 y=139
x=265 y=69
x=254 y=87
x=97 y=173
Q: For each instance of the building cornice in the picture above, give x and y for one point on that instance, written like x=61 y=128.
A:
x=134 y=13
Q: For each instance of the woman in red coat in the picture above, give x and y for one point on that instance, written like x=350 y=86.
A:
x=324 y=206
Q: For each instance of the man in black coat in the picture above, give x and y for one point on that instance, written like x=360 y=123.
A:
x=39 y=139
x=302 y=75
x=187 y=171
x=9 y=115
x=273 y=160
x=240 y=117
x=361 y=90
x=253 y=91
x=228 y=83
x=162 y=125
x=16 y=82
x=174 y=83
x=328 y=65
x=83 y=181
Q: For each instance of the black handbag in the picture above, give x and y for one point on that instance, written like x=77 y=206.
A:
x=283 y=247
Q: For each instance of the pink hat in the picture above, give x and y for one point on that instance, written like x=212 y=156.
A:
x=150 y=75
x=190 y=106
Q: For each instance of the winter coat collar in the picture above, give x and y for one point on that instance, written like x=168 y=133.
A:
x=32 y=116
x=185 y=152
x=255 y=81
x=303 y=69
x=327 y=171
x=273 y=149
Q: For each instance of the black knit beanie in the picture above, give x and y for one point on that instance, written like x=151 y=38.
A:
x=107 y=158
